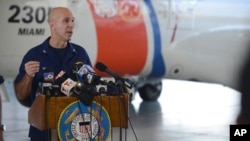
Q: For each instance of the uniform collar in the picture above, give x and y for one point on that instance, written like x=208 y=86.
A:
x=45 y=47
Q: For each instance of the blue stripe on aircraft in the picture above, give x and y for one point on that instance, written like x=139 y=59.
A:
x=158 y=69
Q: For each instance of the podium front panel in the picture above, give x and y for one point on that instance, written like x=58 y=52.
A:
x=51 y=108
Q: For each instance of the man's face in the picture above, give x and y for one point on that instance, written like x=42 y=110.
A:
x=63 y=25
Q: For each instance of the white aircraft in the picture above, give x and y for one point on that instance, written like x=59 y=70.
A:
x=144 y=40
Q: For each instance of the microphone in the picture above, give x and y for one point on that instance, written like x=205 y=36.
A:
x=67 y=86
x=56 y=89
x=48 y=75
x=87 y=73
x=92 y=79
x=112 y=88
x=47 y=88
x=128 y=83
x=75 y=68
x=60 y=77
x=85 y=69
x=85 y=93
x=48 y=80
x=76 y=88
x=101 y=89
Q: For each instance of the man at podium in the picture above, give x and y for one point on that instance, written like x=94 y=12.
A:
x=56 y=53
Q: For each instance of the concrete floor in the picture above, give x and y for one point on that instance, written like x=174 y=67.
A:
x=185 y=111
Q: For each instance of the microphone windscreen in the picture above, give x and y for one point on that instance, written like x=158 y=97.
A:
x=85 y=94
x=100 y=66
x=78 y=65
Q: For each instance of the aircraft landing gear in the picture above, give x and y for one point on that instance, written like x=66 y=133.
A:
x=150 y=91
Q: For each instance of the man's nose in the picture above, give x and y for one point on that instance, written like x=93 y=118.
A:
x=72 y=24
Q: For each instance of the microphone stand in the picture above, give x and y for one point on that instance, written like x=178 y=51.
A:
x=121 y=86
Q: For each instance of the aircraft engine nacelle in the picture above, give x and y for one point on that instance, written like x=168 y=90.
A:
x=218 y=53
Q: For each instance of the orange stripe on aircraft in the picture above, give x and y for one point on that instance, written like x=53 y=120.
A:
x=121 y=37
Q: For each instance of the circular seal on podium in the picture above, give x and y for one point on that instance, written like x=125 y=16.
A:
x=84 y=123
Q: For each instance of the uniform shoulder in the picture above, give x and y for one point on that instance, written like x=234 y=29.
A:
x=78 y=47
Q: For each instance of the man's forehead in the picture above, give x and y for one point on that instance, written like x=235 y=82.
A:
x=64 y=12
x=61 y=12
x=64 y=16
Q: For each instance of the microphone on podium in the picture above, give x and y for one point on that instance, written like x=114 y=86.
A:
x=60 y=77
x=67 y=86
x=126 y=82
x=48 y=80
x=78 y=89
x=48 y=75
x=70 y=87
x=87 y=73
x=85 y=93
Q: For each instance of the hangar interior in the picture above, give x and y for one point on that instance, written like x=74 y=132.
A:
x=185 y=111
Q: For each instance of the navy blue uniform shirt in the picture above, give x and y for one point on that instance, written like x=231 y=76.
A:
x=48 y=58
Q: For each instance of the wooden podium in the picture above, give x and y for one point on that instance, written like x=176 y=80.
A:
x=45 y=111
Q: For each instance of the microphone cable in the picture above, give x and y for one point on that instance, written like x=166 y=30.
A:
x=47 y=130
x=120 y=111
x=110 y=114
x=76 y=74
x=89 y=136
x=47 y=115
x=80 y=101
x=126 y=114
x=99 y=118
